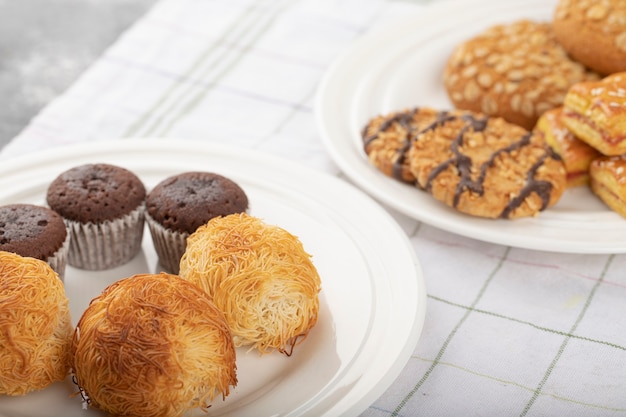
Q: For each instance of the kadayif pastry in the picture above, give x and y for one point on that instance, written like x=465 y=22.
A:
x=259 y=276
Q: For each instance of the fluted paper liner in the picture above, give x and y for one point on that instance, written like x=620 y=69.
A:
x=168 y=244
x=105 y=245
x=58 y=260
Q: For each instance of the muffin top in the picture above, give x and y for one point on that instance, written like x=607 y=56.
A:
x=30 y=230
x=184 y=202
x=95 y=193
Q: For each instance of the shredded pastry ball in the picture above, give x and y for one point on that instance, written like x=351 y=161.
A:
x=260 y=276
x=35 y=325
x=152 y=345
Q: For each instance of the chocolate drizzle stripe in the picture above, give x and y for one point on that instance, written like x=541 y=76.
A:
x=461 y=161
x=402 y=153
x=477 y=186
x=464 y=164
x=542 y=188
x=404 y=119
x=412 y=133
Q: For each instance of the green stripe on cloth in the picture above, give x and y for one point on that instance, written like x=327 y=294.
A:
x=182 y=80
x=463 y=319
x=530 y=389
x=535 y=326
x=566 y=340
x=252 y=23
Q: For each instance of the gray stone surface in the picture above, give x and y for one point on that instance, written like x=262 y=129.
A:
x=46 y=44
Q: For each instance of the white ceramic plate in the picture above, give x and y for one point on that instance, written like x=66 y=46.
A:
x=400 y=66
x=372 y=301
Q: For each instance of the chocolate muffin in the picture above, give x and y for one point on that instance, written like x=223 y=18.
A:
x=36 y=232
x=180 y=204
x=104 y=207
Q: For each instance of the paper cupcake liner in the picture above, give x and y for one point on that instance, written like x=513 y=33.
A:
x=169 y=245
x=58 y=260
x=105 y=245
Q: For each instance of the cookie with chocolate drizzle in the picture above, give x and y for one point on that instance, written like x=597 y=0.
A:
x=388 y=138
x=485 y=166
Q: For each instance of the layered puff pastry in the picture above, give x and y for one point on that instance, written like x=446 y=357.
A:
x=608 y=181
x=576 y=154
x=596 y=113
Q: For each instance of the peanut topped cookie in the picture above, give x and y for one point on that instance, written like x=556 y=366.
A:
x=487 y=167
x=516 y=71
x=593 y=32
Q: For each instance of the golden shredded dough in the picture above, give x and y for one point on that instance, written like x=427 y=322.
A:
x=152 y=345
x=35 y=325
x=261 y=278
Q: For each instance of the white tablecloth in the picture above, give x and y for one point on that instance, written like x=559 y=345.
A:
x=508 y=332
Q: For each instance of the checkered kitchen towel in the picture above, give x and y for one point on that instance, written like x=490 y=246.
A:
x=508 y=332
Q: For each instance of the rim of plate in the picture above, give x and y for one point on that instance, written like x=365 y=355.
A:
x=373 y=380
x=346 y=98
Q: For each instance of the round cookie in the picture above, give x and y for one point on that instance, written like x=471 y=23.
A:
x=35 y=231
x=487 y=167
x=180 y=204
x=387 y=139
x=593 y=32
x=516 y=71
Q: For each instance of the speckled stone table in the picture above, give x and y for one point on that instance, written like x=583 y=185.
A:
x=46 y=44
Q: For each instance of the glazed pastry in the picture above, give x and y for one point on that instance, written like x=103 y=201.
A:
x=593 y=32
x=596 y=113
x=487 y=167
x=180 y=204
x=516 y=71
x=36 y=325
x=259 y=276
x=152 y=345
x=576 y=154
x=608 y=181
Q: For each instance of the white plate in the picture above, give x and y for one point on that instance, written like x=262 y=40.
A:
x=372 y=301
x=400 y=66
